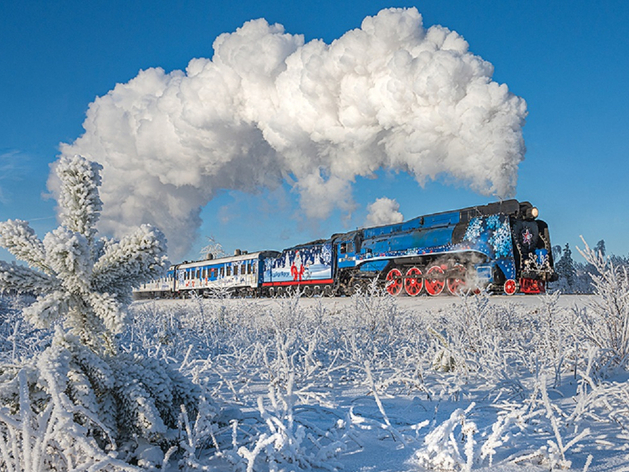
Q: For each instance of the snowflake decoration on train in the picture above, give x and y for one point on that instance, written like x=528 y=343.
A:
x=501 y=240
x=493 y=222
x=474 y=229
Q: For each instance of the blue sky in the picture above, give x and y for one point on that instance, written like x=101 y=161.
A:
x=568 y=60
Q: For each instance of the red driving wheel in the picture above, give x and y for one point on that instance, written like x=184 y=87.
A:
x=394 y=282
x=434 y=280
x=414 y=282
x=456 y=280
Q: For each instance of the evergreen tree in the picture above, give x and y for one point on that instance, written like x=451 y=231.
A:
x=96 y=396
x=566 y=270
x=85 y=281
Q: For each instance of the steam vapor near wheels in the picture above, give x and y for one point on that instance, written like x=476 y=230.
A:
x=269 y=108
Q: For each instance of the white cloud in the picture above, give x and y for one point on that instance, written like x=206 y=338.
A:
x=383 y=211
x=268 y=108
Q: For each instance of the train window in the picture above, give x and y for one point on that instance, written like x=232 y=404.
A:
x=343 y=248
x=222 y=271
x=243 y=269
x=236 y=270
x=350 y=247
x=228 y=271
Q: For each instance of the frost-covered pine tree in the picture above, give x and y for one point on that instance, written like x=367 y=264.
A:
x=88 y=396
x=566 y=271
x=83 y=280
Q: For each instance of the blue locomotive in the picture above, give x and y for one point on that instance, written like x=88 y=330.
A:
x=501 y=247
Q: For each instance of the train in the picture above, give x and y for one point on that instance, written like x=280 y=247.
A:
x=500 y=247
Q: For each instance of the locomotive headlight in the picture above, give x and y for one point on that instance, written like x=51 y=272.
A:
x=532 y=213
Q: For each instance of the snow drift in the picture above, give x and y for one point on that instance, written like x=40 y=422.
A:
x=269 y=108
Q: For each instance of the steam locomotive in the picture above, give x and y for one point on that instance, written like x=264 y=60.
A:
x=501 y=247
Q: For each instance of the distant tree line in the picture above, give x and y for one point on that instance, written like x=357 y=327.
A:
x=576 y=277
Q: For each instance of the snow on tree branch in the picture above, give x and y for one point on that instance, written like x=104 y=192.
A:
x=21 y=241
x=79 y=201
x=136 y=258
x=17 y=278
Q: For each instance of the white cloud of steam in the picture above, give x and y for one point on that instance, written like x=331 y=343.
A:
x=383 y=211
x=268 y=108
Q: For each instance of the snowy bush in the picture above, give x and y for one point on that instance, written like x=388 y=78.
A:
x=86 y=398
x=286 y=442
x=605 y=322
x=318 y=384
x=442 y=449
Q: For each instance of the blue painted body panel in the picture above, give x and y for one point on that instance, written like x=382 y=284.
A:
x=487 y=236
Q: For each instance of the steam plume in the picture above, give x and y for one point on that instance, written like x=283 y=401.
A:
x=268 y=108
x=383 y=211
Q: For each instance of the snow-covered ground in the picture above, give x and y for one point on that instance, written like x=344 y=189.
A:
x=374 y=383
x=427 y=304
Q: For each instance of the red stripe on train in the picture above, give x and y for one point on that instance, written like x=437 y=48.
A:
x=303 y=282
